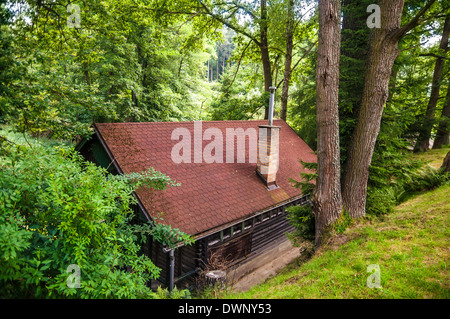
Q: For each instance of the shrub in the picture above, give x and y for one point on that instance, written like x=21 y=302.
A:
x=380 y=201
x=418 y=181
x=58 y=210
x=302 y=218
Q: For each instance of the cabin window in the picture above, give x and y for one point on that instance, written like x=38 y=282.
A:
x=237 y=229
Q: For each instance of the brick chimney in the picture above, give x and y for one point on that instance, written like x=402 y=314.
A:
x=268 y=148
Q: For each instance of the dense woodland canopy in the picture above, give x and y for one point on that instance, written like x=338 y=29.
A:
x=63 y=67
x=185 y=60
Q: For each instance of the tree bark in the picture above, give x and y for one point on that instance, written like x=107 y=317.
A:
x=86 y=74
x=383 y=50
x=327 y=201
x=217 y=66
x=382 y=54
x=423 y=142
x=288 y=59
x=443 y=132
x=265 y=58
x=446 y=163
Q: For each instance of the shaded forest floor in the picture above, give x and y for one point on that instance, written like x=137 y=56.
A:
x=410 y=247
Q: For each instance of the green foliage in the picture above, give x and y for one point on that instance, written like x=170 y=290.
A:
x=302 y=218
x=396 y=177
x=306 y=184
x=340 y=225
x=352 y=68
x=6 y=58
x=123 y=64
x=169 y=236
x=58 y=210
x=420 y=181
x=302 y=113
x=174 y=294
x=380 y=201
x=242 y=88
x=151 y=178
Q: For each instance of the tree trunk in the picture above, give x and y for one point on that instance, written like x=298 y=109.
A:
x=265 y=58
x=423 y=142
x=382 y=54
x=288 y=59
x=217 y=68
x=327 y=196
x=443 y=132
x=86 y=74
x=446 y=163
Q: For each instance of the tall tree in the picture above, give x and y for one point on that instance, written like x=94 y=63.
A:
x=423 y=141
x=443 y=131
x=327 y=202
x=227 y=14
x=383 y=51
x=288 y=58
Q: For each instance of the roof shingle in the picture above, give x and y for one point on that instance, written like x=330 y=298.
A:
x=210 y=195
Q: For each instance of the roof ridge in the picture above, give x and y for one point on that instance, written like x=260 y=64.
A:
x=179 y=122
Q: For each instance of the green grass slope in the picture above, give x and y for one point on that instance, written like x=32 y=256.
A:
x=410 y=247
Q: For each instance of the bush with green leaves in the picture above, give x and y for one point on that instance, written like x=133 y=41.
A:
x=57 y=210
x=174 y=294
x=394 y=178
x=302 y=218
x=425 y=179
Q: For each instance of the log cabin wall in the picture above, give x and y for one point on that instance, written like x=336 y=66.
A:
x=187 y=264
x=235 y=245
x=244 y=241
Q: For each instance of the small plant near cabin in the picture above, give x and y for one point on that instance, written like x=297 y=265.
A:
x=302 y=217
x=174 y=294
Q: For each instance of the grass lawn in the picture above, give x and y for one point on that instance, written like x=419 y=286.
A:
x=410 y=246
x=433 y=158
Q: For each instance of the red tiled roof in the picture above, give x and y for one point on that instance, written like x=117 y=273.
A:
x=210 y=195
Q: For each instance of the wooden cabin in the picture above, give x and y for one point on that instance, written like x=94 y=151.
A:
x=233 y=207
